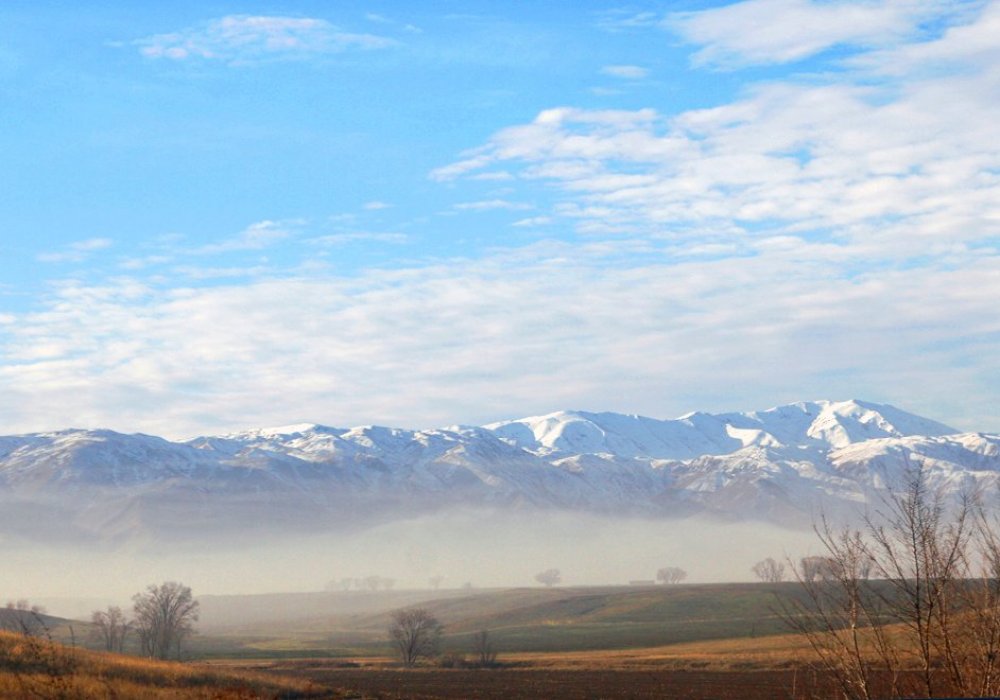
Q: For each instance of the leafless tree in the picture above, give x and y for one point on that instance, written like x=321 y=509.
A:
x=435 y=581
x=549 y=577
x=918 y=586
x=415 y=634
x=671 y=574
x=818 y=568
x=484 y=649
x=164 y=618
x=769 y=571
x=112 y=627
x=843 y=618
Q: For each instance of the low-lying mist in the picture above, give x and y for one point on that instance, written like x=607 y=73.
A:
x=463 y=548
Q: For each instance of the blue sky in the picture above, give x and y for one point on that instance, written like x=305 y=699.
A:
x=225 y=215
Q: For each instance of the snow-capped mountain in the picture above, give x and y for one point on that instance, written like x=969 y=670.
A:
x=823 y=424
x=778 y=465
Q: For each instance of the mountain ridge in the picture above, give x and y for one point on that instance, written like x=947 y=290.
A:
x=777 y=465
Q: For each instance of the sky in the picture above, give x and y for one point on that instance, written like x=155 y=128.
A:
x=223 y=215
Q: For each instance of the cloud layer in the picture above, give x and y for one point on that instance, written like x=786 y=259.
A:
x=243 y=38
x=521 y=332
x=781 y=31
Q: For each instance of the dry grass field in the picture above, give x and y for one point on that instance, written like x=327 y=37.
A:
x=770 y=667
x=33 y=667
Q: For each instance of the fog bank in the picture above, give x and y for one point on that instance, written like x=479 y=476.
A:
x=481 y=548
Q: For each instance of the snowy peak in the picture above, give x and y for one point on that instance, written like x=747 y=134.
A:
x=836 y=424
x=629 y=436
x=826 y=424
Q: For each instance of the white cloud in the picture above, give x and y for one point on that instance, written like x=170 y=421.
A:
x=874 y=165
x=140 y=263
x=257 y=236
x=962 y=44
x=338 y=239
x=247 y=38
x=625 y=72
x=376 y=205
x=75 y=252
x=492 y=205
x=624 y=20
x=781 y=31
x=216 y=273
x=499 y=176
x=533 y=221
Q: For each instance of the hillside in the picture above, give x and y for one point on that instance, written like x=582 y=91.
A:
x=519 y=620
x=34 y=667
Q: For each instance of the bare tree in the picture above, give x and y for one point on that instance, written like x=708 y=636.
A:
x=484 y=649
x=435 y=581
x=842 y=617
x=415 y=634
x=671 y=574
x=918 y=586
x=769 y=571
x=164 y=618
x=112 y=627
x=818 y=568
x=549 y=577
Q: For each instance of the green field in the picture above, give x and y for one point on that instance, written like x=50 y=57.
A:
x=519 y=620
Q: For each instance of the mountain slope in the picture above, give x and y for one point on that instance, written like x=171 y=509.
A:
x=777 y=465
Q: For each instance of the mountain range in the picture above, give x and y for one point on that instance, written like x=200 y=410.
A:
x=782 y=465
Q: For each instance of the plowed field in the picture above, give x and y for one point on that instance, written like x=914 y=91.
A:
x=563 y=684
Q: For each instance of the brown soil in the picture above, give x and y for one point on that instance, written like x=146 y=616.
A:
x=510 y=684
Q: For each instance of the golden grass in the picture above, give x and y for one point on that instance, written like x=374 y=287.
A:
x=741 y=654
x=737 y=654
x=773 y=652
x=38 y=668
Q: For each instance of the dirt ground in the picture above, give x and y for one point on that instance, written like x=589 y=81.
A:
x=510 y=684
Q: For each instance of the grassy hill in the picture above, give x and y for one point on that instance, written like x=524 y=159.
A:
x=33 y=667
x=527 y=619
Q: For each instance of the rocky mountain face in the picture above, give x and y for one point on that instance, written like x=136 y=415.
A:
x=781 y=466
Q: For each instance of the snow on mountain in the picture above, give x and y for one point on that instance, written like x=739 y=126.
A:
x=777 y=465
x=820 y=423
